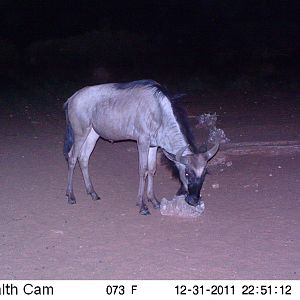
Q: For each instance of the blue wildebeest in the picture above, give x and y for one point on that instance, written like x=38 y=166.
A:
x=141 y=111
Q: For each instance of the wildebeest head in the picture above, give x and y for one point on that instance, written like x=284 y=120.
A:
x=192 y=170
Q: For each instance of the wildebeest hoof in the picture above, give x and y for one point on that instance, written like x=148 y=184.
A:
x=144 y=211
x=71 y=197
x=156 y=205
x=95 y=196
x=71 y=200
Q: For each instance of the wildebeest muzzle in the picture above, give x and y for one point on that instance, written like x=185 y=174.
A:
x=194 y=187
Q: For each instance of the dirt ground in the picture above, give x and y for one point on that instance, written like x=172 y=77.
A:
x=250 y=228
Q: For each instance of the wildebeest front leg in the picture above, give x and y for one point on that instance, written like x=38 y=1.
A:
x=151 y=172
x=143 y=149
x=85 y=153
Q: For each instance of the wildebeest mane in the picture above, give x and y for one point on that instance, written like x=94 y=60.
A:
x=149 y=83
x=182 y=119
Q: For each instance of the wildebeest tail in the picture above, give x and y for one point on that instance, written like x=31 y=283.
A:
x=69 y=136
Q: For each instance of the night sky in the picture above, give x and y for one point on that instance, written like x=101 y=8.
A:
x=178 y=32
x=274 y=23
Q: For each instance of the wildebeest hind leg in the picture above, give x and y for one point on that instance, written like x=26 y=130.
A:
x=73 y=155
x=84 y=156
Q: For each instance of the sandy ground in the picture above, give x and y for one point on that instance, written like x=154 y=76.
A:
x=249 y=230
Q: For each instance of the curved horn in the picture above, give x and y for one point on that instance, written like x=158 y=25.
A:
x=180 y=152
x=212 y=152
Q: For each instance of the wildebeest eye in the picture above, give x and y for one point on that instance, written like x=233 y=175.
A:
x=189 y=173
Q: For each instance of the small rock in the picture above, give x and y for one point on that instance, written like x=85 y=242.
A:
x=228 y=163
x=131 y=149
x=57 y=231
x=215 y=186
x=178 y=207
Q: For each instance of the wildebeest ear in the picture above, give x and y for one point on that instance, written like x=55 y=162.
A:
x=182 y=161
x=170 y=156
x=178 y=157
x=211 y=152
